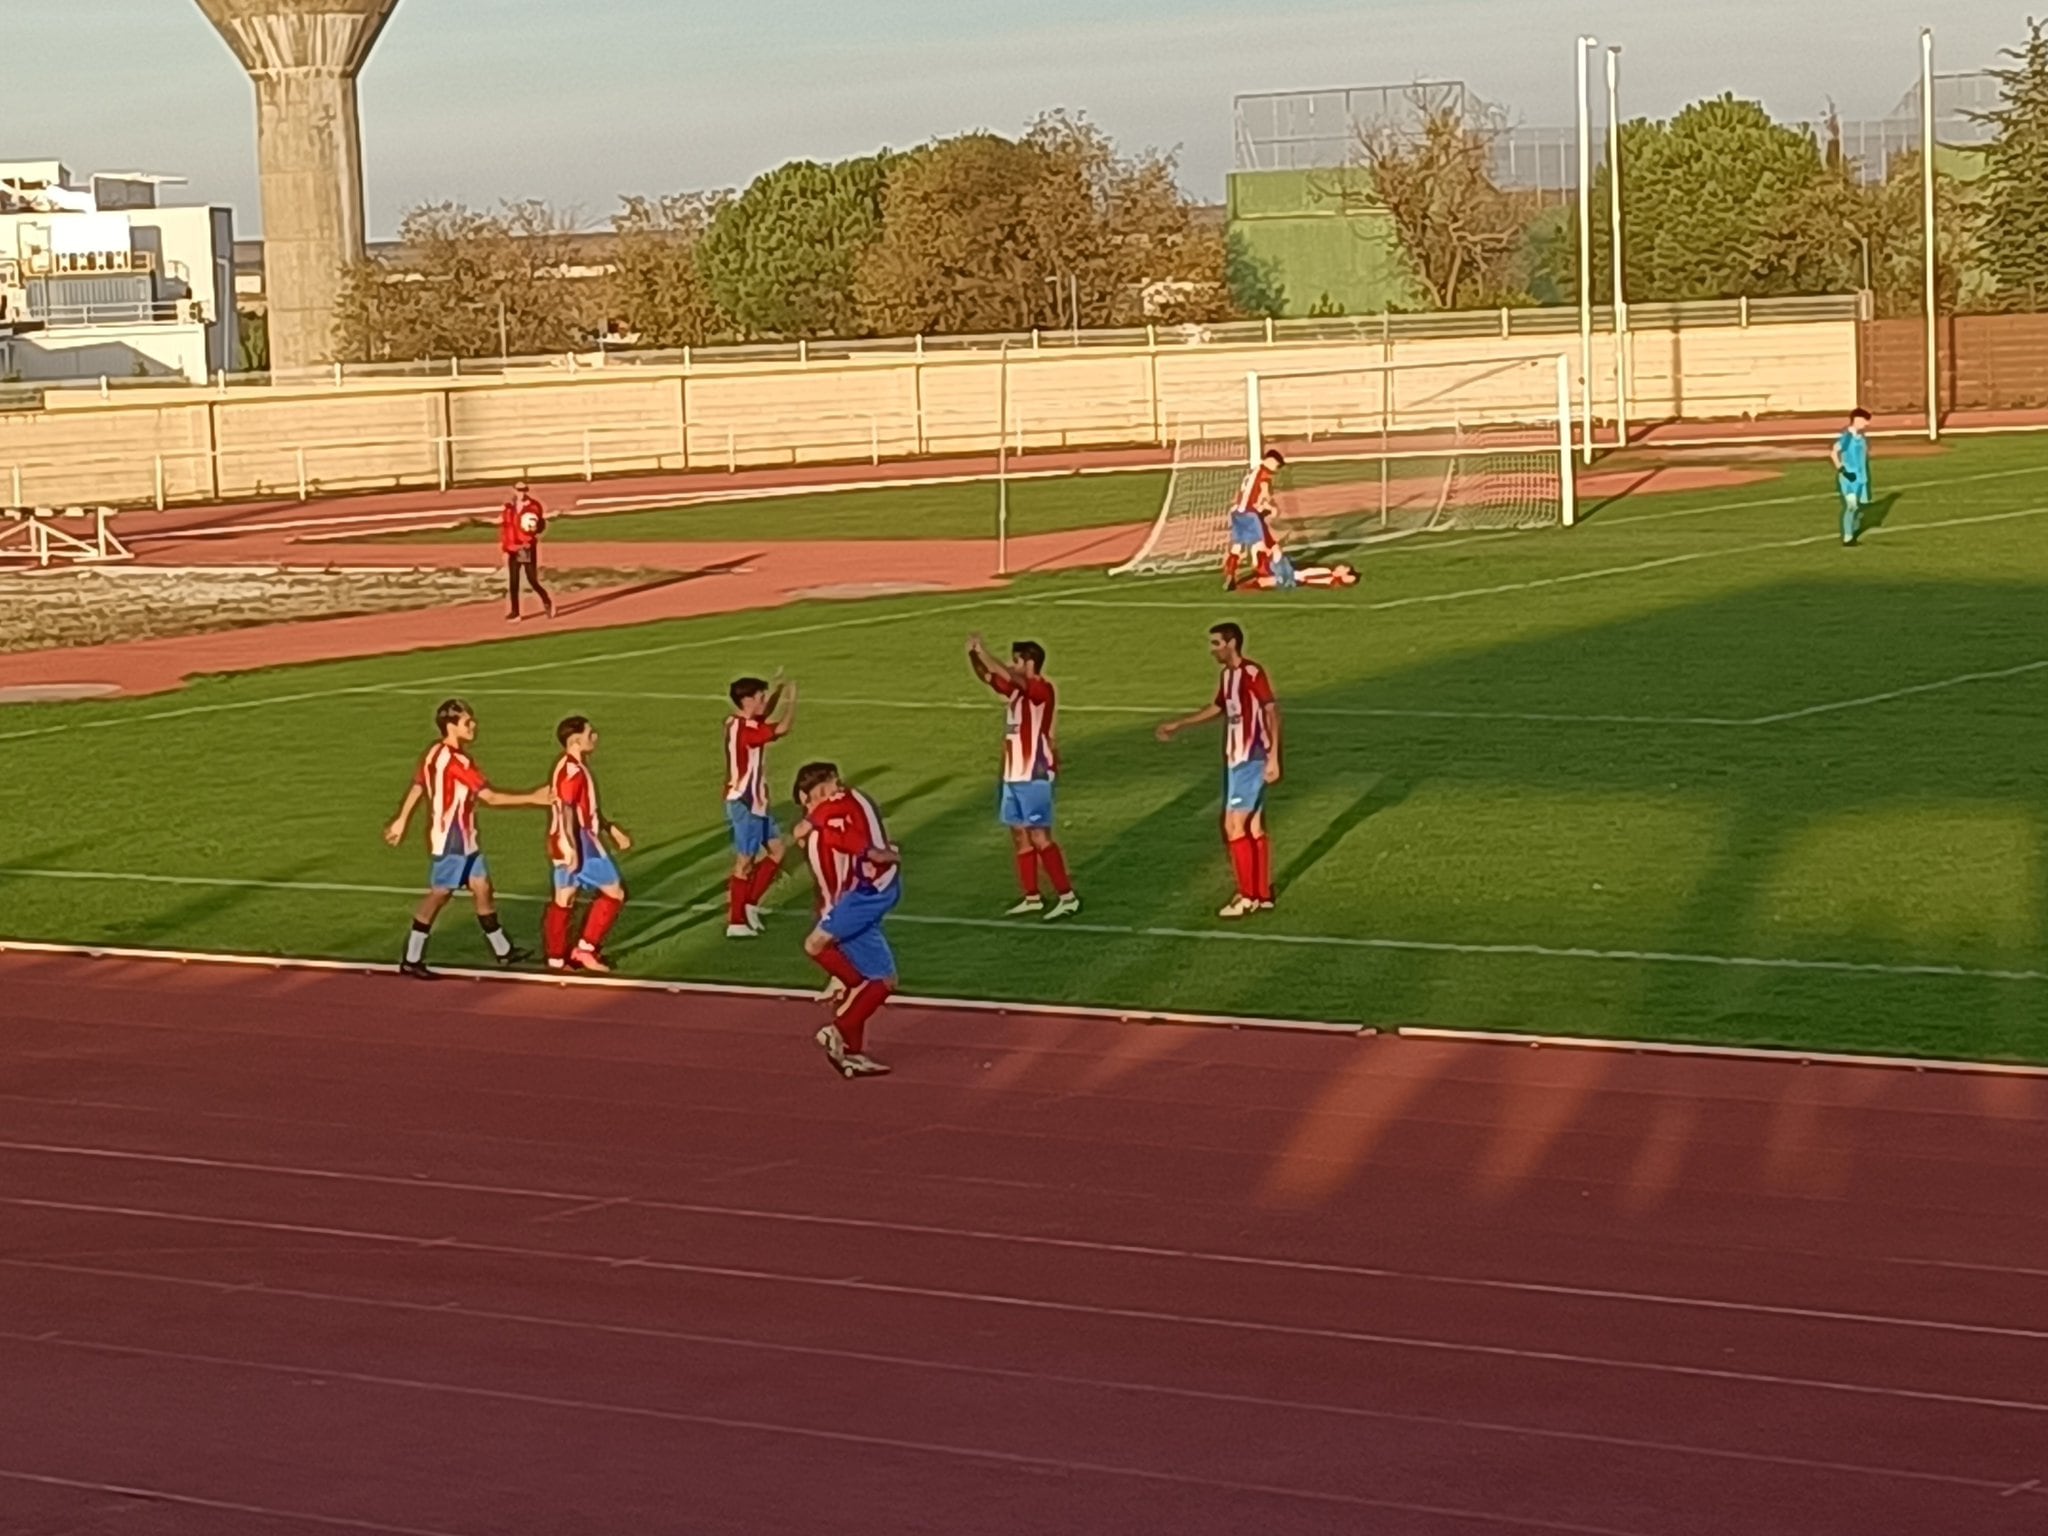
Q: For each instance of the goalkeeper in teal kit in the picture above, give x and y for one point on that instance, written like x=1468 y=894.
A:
x=1852 y=472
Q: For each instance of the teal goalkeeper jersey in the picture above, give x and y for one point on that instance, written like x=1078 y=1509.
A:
x=1854 y=449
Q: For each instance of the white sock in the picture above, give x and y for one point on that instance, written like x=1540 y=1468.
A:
x=416 y=944
x=495 y=937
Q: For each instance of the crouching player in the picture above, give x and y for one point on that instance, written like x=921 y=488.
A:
x=576 y=848
x=1249 y=532
x=857 y=869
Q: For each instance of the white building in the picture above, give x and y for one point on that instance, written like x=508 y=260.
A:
x=99 y=281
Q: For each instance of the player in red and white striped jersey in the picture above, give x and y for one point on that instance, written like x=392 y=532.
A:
x=1030 y=766
x=580 y=857
x=858 y=872
x=1250 y=532
x=1251 y=762
x=762 y=715
x=452 y=786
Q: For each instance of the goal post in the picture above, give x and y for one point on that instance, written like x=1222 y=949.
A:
x=1380 y=450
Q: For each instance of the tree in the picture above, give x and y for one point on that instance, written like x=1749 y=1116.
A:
x=984 y=233
x=468 y=284
x=659 y=289
x=2015 y=224
x=1431 y=171
x=780 y=258
x=1710 y=198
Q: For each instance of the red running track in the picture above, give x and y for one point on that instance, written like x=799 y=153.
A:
x=287 y=1253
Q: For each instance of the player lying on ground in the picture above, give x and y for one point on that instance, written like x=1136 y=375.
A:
x=762 y=714
x=452 y=785
x=1249 y=531
x=1030 y=765
x=1852 y=473
x=1278 y=573
x=858 y=870
x=579 y=858
x=1251 y=761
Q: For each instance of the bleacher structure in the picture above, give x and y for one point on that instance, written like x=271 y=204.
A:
x=47 y=536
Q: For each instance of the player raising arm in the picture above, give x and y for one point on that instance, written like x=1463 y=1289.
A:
x=580 y=859
x=453 y=786
x=1030 y=765
x=1251 y=761
x=762 y=714
x=858 y=872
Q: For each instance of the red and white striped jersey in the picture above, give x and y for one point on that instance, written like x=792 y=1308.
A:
x=1028 y=752
x=1255 y=494
x=746 y=761
x=1242 y=696
x=451 y=780
x=844 y=830
x=574 y=815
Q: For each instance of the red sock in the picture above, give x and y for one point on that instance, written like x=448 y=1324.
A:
x=867 y=1001
x=603 y=913
x=1055 y=864
x=1230 y=565
x=837 y=965
x=1244 y=859
x=554 y=931
x=1027 y=870
x=764 y=876
x=1262 y=866
x=1265 y=562
x=736 y=889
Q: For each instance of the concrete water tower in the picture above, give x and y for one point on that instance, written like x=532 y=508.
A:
x=304 y=56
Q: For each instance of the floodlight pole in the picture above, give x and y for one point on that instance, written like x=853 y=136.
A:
x=1585 y=45
x=1927 y=224
x=1621 y=369
x=1003 y=461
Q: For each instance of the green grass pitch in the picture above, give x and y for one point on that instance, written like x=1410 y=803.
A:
x=1690 y=771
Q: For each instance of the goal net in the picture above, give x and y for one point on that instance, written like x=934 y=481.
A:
x=1378 y=451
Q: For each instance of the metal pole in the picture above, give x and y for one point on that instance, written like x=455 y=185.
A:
x=504 y=341
x=1585 y=248
x=1003 y=461
x=1614 y=240
x=1928 y=229
x=1074 y=288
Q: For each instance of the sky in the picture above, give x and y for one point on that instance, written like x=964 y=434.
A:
x=579 y=103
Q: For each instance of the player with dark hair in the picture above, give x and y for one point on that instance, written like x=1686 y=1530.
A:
x=857 y=870
x=1250 y=533
x=1030 y=765
x=1251 y=757
x=521 y=522
x=453 y=786
x=1851 y=457
x=762 y=715
x=581 y=862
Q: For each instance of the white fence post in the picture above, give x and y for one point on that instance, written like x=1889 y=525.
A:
x=159 y=482
x=16 y=472
x=588 y=473
x=299 y=454
x=732 y=455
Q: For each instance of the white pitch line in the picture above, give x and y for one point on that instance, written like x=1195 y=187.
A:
x=1570 y=578
x=1251 y=936
x=1869 y=699
x=995 y=597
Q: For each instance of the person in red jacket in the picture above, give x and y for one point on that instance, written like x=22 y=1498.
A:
x=520 y=525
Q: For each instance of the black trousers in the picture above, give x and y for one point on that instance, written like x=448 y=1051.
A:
x=525 y=563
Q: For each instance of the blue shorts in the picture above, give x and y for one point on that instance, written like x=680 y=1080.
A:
x=1244 y=786
x=855 y=925
x=1283 y=572
x=751 y=832
x=1854 y=496
x=453 y=871
x=1026 y=804
x=595 y=873
x=1247 y=530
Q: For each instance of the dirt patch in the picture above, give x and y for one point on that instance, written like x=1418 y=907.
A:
x=853 y=591
x=60 y=609
x=1670 y=479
